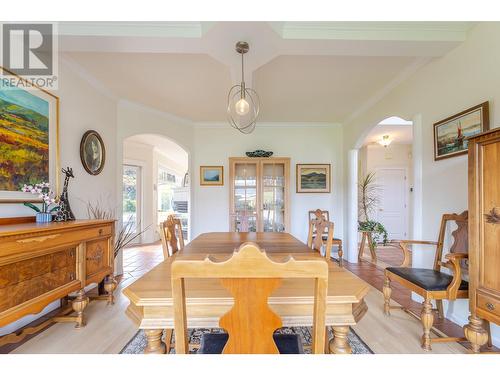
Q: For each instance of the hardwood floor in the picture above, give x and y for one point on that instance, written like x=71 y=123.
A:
x=109 y=329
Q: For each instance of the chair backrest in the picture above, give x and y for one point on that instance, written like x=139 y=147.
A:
x=172 y=239
x=320 y=224
x=314 y=214
x=250 y=276
x=460 y=237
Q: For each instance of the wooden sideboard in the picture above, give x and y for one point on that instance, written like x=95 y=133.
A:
x=484 y=235
x=41 y=263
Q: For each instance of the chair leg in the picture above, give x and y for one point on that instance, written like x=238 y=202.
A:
x=427 y=321
x=439 y=304
x=168 y=339
x=387 y=296
x=341 y=253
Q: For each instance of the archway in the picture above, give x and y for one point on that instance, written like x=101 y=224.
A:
x=412 y=136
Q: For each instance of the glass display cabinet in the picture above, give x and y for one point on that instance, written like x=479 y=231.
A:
x=259 y=194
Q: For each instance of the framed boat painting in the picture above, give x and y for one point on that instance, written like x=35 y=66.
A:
x=29 y=131
x=451 y=134
x=313 y=178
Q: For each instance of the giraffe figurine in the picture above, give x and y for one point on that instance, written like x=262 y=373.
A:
x=64 y=212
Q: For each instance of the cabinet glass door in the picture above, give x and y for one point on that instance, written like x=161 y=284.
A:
x=244 y=216
x=273 y=197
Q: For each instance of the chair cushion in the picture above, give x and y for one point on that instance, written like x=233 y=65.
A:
x=325 y=237
x=425 y=278
x=213 y=343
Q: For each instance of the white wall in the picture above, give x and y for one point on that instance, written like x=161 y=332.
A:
x=467 y=76
x=304 y=143
x=82 y=108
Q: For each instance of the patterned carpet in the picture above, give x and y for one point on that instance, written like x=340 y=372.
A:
x=137 y=344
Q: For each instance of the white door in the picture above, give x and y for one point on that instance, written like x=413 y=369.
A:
x=392 y=211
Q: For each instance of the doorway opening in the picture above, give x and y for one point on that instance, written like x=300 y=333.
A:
x=386 y=155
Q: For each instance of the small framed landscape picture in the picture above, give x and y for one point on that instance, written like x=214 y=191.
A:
x=451 y=134
x=212 y=175
x=313 y=178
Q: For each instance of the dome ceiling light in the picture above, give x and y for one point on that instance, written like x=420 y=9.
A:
x=243 y=103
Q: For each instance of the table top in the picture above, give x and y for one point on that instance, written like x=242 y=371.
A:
x=227 y=242
x=154 y=288
x=32 y=227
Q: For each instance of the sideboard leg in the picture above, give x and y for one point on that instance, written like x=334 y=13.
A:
x=475 y=333
x=79 y=304
x=110 y=286
x=339 y=343
x=155 y=345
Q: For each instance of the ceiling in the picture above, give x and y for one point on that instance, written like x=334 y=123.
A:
x=398 y=130
x=303 y=71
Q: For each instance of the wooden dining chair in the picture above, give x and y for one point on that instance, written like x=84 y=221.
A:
x=433 y=284
x=172 y=239
x=319 y=222
x=250 y=276
x=325 y=215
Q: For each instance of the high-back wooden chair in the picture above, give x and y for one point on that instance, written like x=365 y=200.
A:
x=172 y=239
x=433 y=284
x=319 y=222
x=251 y=277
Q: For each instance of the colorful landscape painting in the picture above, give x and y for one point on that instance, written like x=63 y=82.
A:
x=451 y=134
x=24 y=138
x=313 y=178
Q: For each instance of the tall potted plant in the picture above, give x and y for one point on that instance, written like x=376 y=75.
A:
x=368 y=200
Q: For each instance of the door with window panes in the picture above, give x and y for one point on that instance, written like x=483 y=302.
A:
x=259 y=192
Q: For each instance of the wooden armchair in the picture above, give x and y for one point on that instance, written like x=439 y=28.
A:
x=319 y=222
x=172 y=239
x=251 y=277
x=432 y=284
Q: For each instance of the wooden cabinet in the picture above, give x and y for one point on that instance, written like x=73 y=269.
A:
x=41 y=263
x=259 y=194
x=484 y=235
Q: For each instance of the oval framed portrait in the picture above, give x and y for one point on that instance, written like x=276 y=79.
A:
x=92 y=152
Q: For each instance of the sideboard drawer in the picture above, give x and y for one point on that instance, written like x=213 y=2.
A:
x=97 y=257
x=24 y=270
x=488 y=304
x=28 y=279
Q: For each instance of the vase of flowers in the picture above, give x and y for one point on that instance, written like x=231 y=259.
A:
x=49 y=201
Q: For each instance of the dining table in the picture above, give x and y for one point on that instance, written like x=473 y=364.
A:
x=151 y=303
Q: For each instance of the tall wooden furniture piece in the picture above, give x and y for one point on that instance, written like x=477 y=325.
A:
x=151 y=305
x=484 y=235
x=251 y=277
x=259 y=194
x=317 y=218
x=172 y=238
x=432 y=284
x=42 y=263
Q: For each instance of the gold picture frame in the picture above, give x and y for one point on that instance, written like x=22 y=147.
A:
x=211 y=175
x=16 y=196
x=313 y=178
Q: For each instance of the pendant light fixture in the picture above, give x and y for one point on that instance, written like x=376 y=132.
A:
x=243 y=103
x=385 y=141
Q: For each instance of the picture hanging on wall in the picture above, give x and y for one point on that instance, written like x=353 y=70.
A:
x=451 y=134
x=313 y=178
x=29 y=130
x=92 y=152
x=212 y=175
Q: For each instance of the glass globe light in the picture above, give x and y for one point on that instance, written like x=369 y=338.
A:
x=242 y=107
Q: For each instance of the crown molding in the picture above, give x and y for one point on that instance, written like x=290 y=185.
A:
x=269 y=125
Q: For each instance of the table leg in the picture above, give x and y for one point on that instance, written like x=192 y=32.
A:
x=155 y=345
x=373 y=253
x=339 y=343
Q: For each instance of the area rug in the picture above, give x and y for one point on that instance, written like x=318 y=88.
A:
x=138 y=343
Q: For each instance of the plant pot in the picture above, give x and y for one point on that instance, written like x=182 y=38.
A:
x=43 y=217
